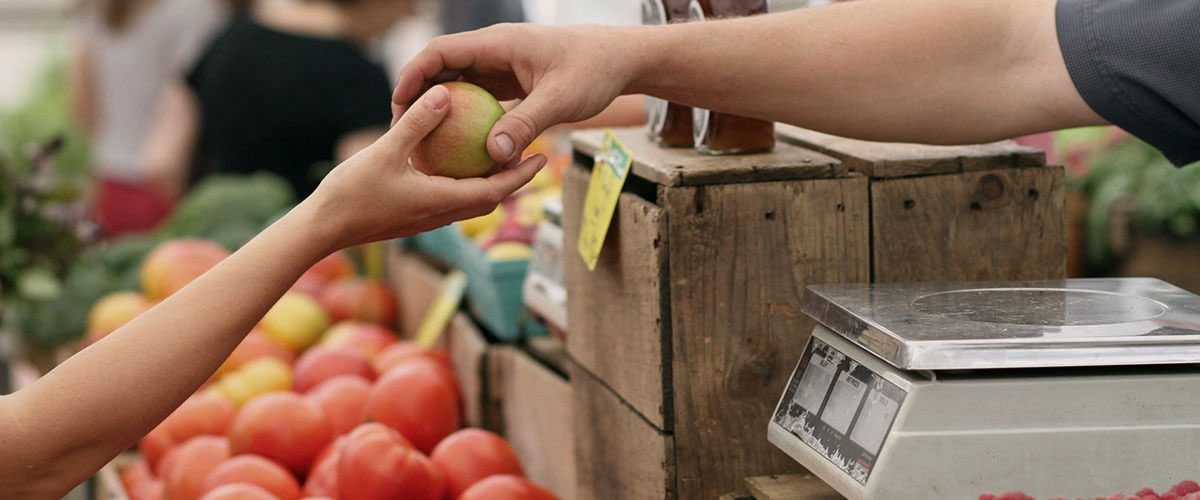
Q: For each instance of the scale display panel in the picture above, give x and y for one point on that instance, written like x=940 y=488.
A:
x=839 y=408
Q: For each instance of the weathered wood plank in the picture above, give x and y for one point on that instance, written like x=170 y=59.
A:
x=415 y=283
x=740 y=256
x=619 y=310
x=895 y=159
x=468 y=351
x=1007 y=224
x=791 y=487
x=686 y=167
x=536 y=405
x=618 y=453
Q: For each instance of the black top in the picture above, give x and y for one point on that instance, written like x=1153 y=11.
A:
x=1137 y=64
x=279 y=102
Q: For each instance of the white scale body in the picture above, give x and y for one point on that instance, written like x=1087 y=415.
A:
x=1073 y=388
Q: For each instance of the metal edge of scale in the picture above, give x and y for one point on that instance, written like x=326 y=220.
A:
x=1018 y=324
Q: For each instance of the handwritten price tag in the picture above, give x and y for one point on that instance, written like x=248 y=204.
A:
x=442 y=309
x=608 y=176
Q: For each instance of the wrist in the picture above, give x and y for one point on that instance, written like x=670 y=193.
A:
x=654 y=51
x=313 y=228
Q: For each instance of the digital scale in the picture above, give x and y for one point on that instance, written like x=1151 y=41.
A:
x=1078 y=388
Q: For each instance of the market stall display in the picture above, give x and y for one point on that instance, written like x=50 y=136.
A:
x=286 y=415
x=685 y=322
x=965 y=388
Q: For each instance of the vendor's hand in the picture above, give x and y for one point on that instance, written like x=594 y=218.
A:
x=377 y=194
x=563 y=74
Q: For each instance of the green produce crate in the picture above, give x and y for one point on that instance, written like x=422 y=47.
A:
x=494 y=288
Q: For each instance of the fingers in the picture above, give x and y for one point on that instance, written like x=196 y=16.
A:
x=521 y=125
x=490 y=191
x=416 y=122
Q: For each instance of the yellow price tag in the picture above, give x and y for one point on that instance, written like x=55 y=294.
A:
x=608 y=176
x=442 y=309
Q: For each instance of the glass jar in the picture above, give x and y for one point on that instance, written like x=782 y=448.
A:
x=667 y=123
x=722 y=133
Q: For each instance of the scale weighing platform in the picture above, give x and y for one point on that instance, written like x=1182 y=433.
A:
x=1077 y=388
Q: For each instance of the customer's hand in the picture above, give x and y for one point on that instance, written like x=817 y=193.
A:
x=377 y=194
x=563 y=73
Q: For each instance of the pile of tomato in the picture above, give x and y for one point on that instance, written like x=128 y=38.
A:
x=306 y=408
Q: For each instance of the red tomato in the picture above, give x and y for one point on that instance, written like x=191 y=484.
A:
x=150 y=489
x=256 y=470
x=255 y=345
x=367 y=338
x=239 y=491
x=155 y=445
x=361 y=299
x=409 y=351
x=323 y=478
x=321 y=363
x=281 y=426
x=469 y=455
x=335 y=266
x=504 y=487
x=377 y=464
x=184 y=479
x=136 y=474
x=344 y=400
x=310 y=284
x=203 y=414
x=416 y=401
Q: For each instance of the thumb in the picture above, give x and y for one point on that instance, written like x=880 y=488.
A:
x=521 y=125
x=418 y=121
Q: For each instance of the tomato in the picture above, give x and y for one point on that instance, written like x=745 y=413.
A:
x=195 y=459
x=323 y=478
x=416 y=401
x=367 y=338
x=150 y=489
x=335 y=266
x=255 y=345
x=505 y=487
x=256 y=470
x=155 y=445
x=202 y=414
x=281 y=426
x=136 y=474
x=377 y=464
x=409 y=352
x=239 y=491
x=361 y=299
x=322 y=363
x=344 y=400
x=469 y=455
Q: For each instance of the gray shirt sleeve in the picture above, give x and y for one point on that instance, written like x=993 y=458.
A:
x=1137 y=64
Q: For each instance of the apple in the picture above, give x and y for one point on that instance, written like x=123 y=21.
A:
x=458 y=146
x=361 y=299
x=296 y=321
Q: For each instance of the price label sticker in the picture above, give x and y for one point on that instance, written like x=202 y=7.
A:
x=608 y=177
x=442 y=309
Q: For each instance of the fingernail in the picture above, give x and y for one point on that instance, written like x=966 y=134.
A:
x=504 y=145
x=437 y=97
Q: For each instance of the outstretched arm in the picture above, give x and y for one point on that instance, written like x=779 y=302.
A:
x=57 y=432
x=934 y=71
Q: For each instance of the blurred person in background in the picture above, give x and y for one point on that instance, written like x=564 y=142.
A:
x=467 y=15
x=126 y=52
x=286 y=88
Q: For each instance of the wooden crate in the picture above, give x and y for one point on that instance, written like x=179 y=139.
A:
x=956 y=213
x=791 y=487
x=535 y=415
x=690 y=324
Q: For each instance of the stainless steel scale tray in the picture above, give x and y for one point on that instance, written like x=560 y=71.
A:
x=1018 y=324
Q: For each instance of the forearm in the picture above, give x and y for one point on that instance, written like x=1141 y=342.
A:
x=937 y=71
x=100 y=401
